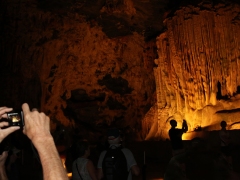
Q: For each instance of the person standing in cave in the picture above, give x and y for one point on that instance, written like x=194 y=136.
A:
x=225 y=139
x=175 y=135
x=117 y=162
x=82 y=167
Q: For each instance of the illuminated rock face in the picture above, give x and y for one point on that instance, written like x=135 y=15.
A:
x=90 y=63
x=66 y=66
x=197 y=74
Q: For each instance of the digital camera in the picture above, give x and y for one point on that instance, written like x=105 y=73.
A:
x=15 y=118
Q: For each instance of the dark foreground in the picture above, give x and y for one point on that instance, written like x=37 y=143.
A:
x=203 y=161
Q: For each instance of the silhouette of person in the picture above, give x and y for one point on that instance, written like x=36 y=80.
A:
x=175 y=135
x=83 y=167
x=225 y=139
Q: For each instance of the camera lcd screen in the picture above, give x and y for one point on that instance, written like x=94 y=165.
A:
x=15 y=118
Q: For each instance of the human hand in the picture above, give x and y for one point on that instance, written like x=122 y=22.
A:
x=36 y=124
x=3 y=111
x=184 y=126
x=5 y=132
x=3 y=158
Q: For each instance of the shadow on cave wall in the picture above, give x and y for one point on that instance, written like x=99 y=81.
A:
x=117 y=85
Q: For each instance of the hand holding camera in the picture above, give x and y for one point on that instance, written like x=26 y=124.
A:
x=32 y=122
x=6 y=131
x=37 y=127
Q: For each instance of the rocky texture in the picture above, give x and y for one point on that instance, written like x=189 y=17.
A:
x=89 y=64
x=116 y=17
x=58 y=60
x=197 y=77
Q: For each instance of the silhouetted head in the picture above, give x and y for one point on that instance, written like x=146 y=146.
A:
x=82 y=147
x=113 y=135
x=173 y=123
x=223 y=124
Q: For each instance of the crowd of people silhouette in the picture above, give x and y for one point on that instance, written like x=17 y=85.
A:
x=114 y=160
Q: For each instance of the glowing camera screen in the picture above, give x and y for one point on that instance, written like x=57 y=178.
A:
x=15 y=118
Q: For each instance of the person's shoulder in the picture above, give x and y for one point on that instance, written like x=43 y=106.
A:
x=126 y=150
x=79 y=159
x=89 y=162
x=76 y=160
x=103 y=153
x=172 y=130
x=104 y=150
x=222 y=132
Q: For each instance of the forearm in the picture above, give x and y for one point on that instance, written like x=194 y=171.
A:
x=100 y=173
x=91 y=170
x=3 y=175
x=135 y=170
x=51 y=162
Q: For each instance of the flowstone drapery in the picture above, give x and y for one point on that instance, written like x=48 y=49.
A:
x=197 y=74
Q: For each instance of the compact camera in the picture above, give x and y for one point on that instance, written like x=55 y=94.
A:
x=15 y=118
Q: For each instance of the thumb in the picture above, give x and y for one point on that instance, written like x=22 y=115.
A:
x=7 y=131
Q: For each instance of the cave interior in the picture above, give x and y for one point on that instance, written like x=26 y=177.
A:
x=133 y=64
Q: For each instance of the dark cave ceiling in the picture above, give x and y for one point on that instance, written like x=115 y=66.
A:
x=115 y=22
x=110 y=14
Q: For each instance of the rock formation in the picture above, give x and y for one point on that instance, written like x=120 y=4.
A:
x=69 y=66
x=93 y=64
x=197 y=73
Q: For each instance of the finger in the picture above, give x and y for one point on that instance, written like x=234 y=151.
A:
x=25 y=108
x=7 y=131
x=5 y=153
x=34 y=109
x=3 y=124
x=4 y=107
x=47 y=124
x=3 y=111
x=4 y=116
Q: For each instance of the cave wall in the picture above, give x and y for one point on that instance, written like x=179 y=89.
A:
x=93 y=64
x=197 y=74
x=65 y=65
